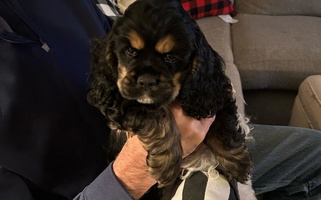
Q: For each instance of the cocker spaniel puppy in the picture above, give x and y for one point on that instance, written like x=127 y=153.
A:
x=153 y=55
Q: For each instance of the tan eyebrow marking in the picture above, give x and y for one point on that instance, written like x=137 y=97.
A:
x=136 y=41
x=165 y=45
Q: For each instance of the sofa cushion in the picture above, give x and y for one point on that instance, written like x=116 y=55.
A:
x=218 y=35
x=307 y=107
x=202 y=8
x=276 y=52
x=277 y=7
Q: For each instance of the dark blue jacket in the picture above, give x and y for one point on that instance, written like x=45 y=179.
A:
x=50 y=138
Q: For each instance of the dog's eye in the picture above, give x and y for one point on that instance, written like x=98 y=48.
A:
x=131 y=52
x=169 y=57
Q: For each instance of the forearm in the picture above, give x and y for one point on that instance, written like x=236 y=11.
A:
x=131 y=169
x=126 y=179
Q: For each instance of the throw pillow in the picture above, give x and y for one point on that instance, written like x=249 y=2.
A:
x=202 y=8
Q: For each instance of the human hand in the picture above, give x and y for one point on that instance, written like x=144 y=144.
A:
x=192 y=131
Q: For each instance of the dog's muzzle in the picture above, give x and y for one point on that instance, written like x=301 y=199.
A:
x=148 y=88
x=147 y=81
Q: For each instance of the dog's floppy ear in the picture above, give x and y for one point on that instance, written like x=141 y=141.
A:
x=205 y=87
x=206 y=92
x=103 y=71
x=103 y=89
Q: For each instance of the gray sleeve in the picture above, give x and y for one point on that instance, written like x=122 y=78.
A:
x=105 y=187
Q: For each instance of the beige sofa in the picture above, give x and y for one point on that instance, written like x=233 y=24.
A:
x=269 y=52
x=306 y=110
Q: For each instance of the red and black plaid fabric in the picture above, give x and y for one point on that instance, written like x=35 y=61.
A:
x=202 y=8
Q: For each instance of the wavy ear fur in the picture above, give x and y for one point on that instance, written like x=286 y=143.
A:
x=103 y=93
x=206 y=86
x=206 y=92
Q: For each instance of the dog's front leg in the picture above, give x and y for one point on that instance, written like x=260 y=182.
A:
x=161 y=139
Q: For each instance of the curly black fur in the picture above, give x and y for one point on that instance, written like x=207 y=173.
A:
x=203 y=88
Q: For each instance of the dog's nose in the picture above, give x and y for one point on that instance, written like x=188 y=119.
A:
x=147 y=81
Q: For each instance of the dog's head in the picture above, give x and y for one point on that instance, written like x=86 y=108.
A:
x=151 y=51
x=153 y=47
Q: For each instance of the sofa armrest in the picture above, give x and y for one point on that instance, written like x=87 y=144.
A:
x=306 y=111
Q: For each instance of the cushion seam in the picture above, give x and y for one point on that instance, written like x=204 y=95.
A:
x=314 y=94
x=304 y=113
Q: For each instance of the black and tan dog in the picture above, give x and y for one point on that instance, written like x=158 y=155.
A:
x=156 y=54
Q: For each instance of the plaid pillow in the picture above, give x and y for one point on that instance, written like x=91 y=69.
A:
x=202 y=8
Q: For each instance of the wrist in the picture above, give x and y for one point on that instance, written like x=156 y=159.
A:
x=131 y=169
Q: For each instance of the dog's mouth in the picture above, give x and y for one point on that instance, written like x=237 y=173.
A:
x=149 y=89
x=145 y=100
